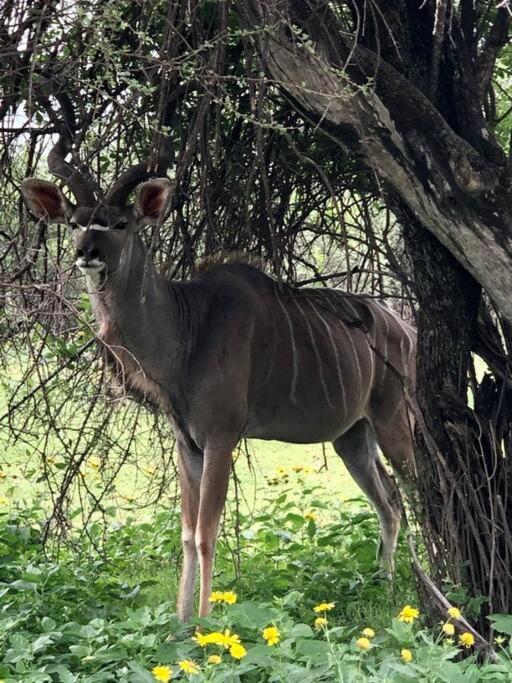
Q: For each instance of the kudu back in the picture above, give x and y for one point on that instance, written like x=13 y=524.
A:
x=232 y=354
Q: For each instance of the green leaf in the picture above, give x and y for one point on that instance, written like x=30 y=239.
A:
x=300 y=631
x=501 y=623
x=250 y=615
x=315 y=651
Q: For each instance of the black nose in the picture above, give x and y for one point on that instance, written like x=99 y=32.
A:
x=89 y=253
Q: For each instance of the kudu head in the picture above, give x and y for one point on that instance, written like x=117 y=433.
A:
x=103 y=231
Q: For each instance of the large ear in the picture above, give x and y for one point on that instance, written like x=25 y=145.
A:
x=151 y=200
x=46 y=201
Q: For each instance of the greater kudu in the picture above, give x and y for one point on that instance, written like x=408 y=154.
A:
x=232 y=354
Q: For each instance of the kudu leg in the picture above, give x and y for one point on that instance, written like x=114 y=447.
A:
x=214 y=486
x=190 y=465
x=358 y=449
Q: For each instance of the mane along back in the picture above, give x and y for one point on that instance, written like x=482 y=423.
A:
x=241 y=258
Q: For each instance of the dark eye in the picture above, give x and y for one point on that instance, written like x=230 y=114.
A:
x=121 y=225
x=73 y=225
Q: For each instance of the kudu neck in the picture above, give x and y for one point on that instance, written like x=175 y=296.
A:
x=136 y=302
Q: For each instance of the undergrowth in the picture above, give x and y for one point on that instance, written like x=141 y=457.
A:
x=102 y=608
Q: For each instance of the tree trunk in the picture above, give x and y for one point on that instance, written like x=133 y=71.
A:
x=407 y=102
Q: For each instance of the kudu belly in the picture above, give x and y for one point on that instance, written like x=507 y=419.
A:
x=313 y=395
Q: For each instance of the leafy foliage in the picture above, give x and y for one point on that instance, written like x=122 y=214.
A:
x=89 y=618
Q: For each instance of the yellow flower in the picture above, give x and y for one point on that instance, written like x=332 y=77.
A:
x=500 y=640
x=237 y=651
x=188 y=666
x=223 y=596
x=311 y=515
x=406 y=655
x=2 y=475
x=4 y=501
x=454 y=612
x=162 y=673
x=217 y=638
x=363 y=643
x=324 y=607
x=94 y=463
x=449 y=629
x=320 y=621
x=214 y=659
x=408 y=614
x=466 y=639
x=272 y=635
x=202 y=639
x=369 y=632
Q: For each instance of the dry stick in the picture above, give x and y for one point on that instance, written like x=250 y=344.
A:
x=48 y=379
x=444 y=602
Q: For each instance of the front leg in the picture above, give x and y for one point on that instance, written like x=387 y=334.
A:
x=190 y=464
x=214 y=486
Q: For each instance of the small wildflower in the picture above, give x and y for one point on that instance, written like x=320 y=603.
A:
x=500 y=640
x=202 y=639
x=369 y=632
x=408 y=614
x=237 y=651
x=216 y=638
x=188 y=666
x=311 y=515
x=2 y=475
x=466 y=639
x=3 y=501
x=162 y=673
x=272 y=635
x=324 y=607
x=320 y=622
x=223 y=596
x=363 y=643
x=454 y=612
x=449 y=629
x=406 y=655
x=214 y=659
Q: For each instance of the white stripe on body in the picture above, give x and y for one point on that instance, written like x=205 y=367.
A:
x=407 y=329
x=341 y=324
x=369 y=348
x=336 y=355
x=386 y=347
x=295 y=361
x=93 y=226
x=317 y=353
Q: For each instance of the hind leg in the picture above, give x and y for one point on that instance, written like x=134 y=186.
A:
x=358 y=450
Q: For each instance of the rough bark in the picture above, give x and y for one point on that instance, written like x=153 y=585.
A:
x=458 y=192
x=405 y=98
